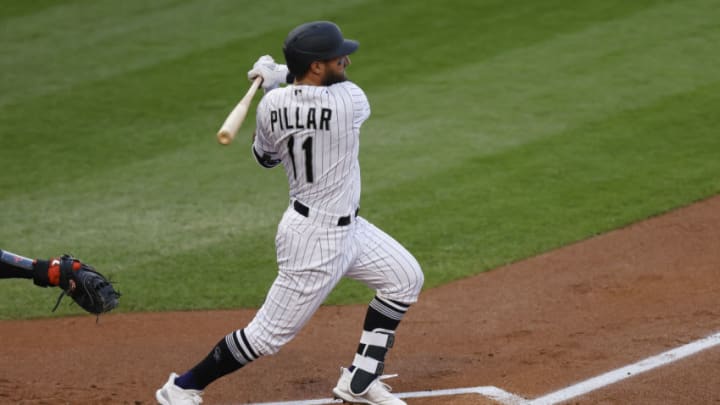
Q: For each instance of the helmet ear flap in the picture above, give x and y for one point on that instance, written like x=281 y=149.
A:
x=296 y=64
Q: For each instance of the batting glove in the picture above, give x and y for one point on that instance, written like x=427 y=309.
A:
x=273 y=74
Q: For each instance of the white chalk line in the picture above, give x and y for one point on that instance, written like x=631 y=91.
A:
x=490 y=392
x=562 y=395
x=619 y=374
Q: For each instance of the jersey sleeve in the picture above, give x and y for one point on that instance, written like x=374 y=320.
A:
x=262 y=148
x=361 y=106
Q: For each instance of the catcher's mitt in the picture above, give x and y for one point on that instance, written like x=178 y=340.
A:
x=87 y=287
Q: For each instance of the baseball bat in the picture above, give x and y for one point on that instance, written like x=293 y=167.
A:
x=234 y=120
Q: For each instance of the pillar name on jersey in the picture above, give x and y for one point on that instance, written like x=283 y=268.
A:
x=313 y=119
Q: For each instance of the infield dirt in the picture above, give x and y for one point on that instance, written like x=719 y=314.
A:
x=529 y=328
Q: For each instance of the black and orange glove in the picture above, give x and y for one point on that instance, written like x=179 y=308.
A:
x=81 y=282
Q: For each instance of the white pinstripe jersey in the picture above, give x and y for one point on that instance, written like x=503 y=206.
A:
x=315 y=132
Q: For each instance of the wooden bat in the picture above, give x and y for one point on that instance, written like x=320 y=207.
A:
x=236 y=117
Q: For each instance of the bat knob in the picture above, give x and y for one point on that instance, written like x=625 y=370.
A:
x=224 y=138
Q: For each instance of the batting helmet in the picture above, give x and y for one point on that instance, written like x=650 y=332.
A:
x=315 y=41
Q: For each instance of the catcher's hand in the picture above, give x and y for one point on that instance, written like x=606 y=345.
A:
x=88 y=288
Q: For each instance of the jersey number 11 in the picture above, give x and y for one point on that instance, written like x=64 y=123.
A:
x=307 y=147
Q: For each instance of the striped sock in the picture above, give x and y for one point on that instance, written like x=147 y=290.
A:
x=385 y=314
x=382 y=314
x=230 y=354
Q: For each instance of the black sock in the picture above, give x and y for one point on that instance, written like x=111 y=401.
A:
x=230 y=354
x=383 y=317
x=383 y=314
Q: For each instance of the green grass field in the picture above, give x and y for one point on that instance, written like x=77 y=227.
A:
x=499 y=130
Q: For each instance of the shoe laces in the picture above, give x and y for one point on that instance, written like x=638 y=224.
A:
x=384 y=384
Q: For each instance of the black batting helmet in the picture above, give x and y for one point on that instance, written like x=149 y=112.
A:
x=315 y=41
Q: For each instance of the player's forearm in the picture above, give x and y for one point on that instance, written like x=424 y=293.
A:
x=16 y=261
x=15 y=266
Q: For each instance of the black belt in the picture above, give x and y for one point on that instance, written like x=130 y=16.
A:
x=304 y=210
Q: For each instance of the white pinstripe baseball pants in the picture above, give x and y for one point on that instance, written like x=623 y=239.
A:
x=313 y=254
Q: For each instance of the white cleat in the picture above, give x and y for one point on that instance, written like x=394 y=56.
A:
x=171 y=394
x=378 y=393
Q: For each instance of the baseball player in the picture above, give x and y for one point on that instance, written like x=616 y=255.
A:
x=81 y=282
x=312 y=127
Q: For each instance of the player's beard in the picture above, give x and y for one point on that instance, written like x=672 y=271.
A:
x=332 y=78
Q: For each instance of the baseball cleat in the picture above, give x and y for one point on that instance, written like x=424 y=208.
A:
x=377 y=394
x=171 y=394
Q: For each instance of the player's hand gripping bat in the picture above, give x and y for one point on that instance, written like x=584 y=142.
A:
x=236 y=117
